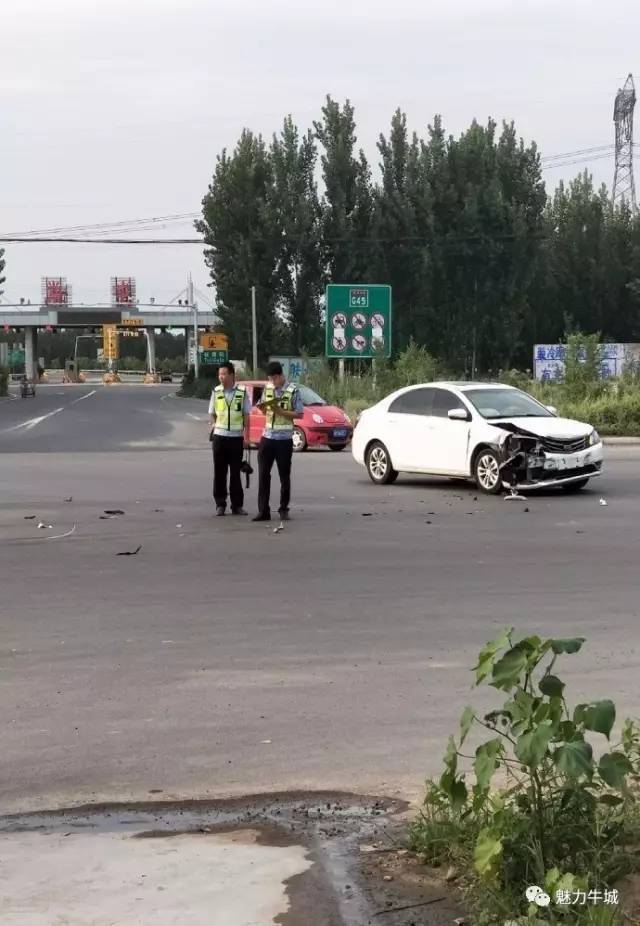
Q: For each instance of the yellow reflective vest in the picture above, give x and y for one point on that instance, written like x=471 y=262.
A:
x=229 y=415
x=274 y=423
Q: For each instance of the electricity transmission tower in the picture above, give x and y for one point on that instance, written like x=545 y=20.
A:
x=624 y=189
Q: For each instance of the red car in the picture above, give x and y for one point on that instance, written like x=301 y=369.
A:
x=321 y=425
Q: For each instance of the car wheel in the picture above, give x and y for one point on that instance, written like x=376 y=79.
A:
x=379 y=465
x=486 y=470
x=575 y=486
x=337 y=447
x=299 y=440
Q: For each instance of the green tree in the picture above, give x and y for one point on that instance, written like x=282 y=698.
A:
x=297 y=212
x=2 y=266
x=402 y=216
x=243 y=246
x=347 y=204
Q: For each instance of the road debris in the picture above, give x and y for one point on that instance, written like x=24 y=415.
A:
x=179 y=526
x=514 y=496
x=367 y=514
x=113 y=511
x=70 y=499
x=604 y=502
x=44 y=527
x=280 y=527
x=107 y=517
x=60 y=536
x=29 y=517
x=130 y=552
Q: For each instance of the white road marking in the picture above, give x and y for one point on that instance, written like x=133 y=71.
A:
x=195 y=417
x=32 y=422
x=169 y=395
x=83 y=397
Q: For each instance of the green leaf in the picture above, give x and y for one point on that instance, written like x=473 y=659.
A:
x=567 y=646
x=568 y=732
x=599 y=716
x=610 y=800
x=574 y=760
x=466 y=721
x=531 y=747
x=486 y=762
x=458 y=795
x=507 y=671
x=487 y=853
x=488 y=652
x=551 y=686
x=614 y=768
x=451 y=756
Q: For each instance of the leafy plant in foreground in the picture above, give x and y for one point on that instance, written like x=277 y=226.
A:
x=559 y=816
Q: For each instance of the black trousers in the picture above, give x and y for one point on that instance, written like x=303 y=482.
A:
x=270 y=452
x=227 y=457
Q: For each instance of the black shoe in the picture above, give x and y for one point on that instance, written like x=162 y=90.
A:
x=220 y=512
x=238 y=511
x=284 y=515
x=262 y=517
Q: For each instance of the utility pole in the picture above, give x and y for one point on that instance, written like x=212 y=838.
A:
x=194 y=308
x=254 y=327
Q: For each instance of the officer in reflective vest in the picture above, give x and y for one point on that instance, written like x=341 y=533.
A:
x=281 y=404
x=229 y=410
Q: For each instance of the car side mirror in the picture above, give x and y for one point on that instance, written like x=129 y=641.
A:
x=552 y=409
x=458 y=414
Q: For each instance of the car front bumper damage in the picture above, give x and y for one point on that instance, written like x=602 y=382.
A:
x=526 y=465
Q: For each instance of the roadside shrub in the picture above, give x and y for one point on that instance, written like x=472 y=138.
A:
x=583 y=364
x=192 y=388
x=540 y=809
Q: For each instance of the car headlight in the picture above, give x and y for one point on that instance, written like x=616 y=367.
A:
x=318 y=419
x=594 y=438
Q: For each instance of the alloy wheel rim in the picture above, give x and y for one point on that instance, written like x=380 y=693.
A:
x=378 y=462
x=488 y=472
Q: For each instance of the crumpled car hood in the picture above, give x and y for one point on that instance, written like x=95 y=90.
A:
x=545 y=427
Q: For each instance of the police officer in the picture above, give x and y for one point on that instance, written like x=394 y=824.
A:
x=229 y=410
x=281 y=404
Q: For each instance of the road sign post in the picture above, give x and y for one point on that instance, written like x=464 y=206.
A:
x=358 y=323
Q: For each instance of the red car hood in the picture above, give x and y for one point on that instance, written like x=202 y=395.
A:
x=330 y=414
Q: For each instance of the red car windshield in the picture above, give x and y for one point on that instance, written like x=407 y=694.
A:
x=309 y=397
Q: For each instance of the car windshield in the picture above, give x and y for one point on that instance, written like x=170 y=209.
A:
x=309 y=397
x=506 y=403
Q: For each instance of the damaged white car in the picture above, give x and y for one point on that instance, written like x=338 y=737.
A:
x=497 y=435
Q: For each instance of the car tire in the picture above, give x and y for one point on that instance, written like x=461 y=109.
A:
x=299 y=440
x=573 y=487
x=379 y=466
x=337 y=447
x=486 y=472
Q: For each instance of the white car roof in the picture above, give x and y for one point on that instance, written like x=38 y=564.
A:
x=461 y=386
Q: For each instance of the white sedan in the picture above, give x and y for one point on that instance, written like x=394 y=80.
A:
x=499 y=436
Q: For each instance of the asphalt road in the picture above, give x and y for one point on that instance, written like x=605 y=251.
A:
x=225 y=659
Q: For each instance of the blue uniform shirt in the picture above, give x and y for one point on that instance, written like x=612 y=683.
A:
x=297 y=407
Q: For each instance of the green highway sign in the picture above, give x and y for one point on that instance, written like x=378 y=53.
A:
x=214 y=356
x=358 y=320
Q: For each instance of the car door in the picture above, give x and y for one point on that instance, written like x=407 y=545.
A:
x=408 y=430
x=450 y=451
